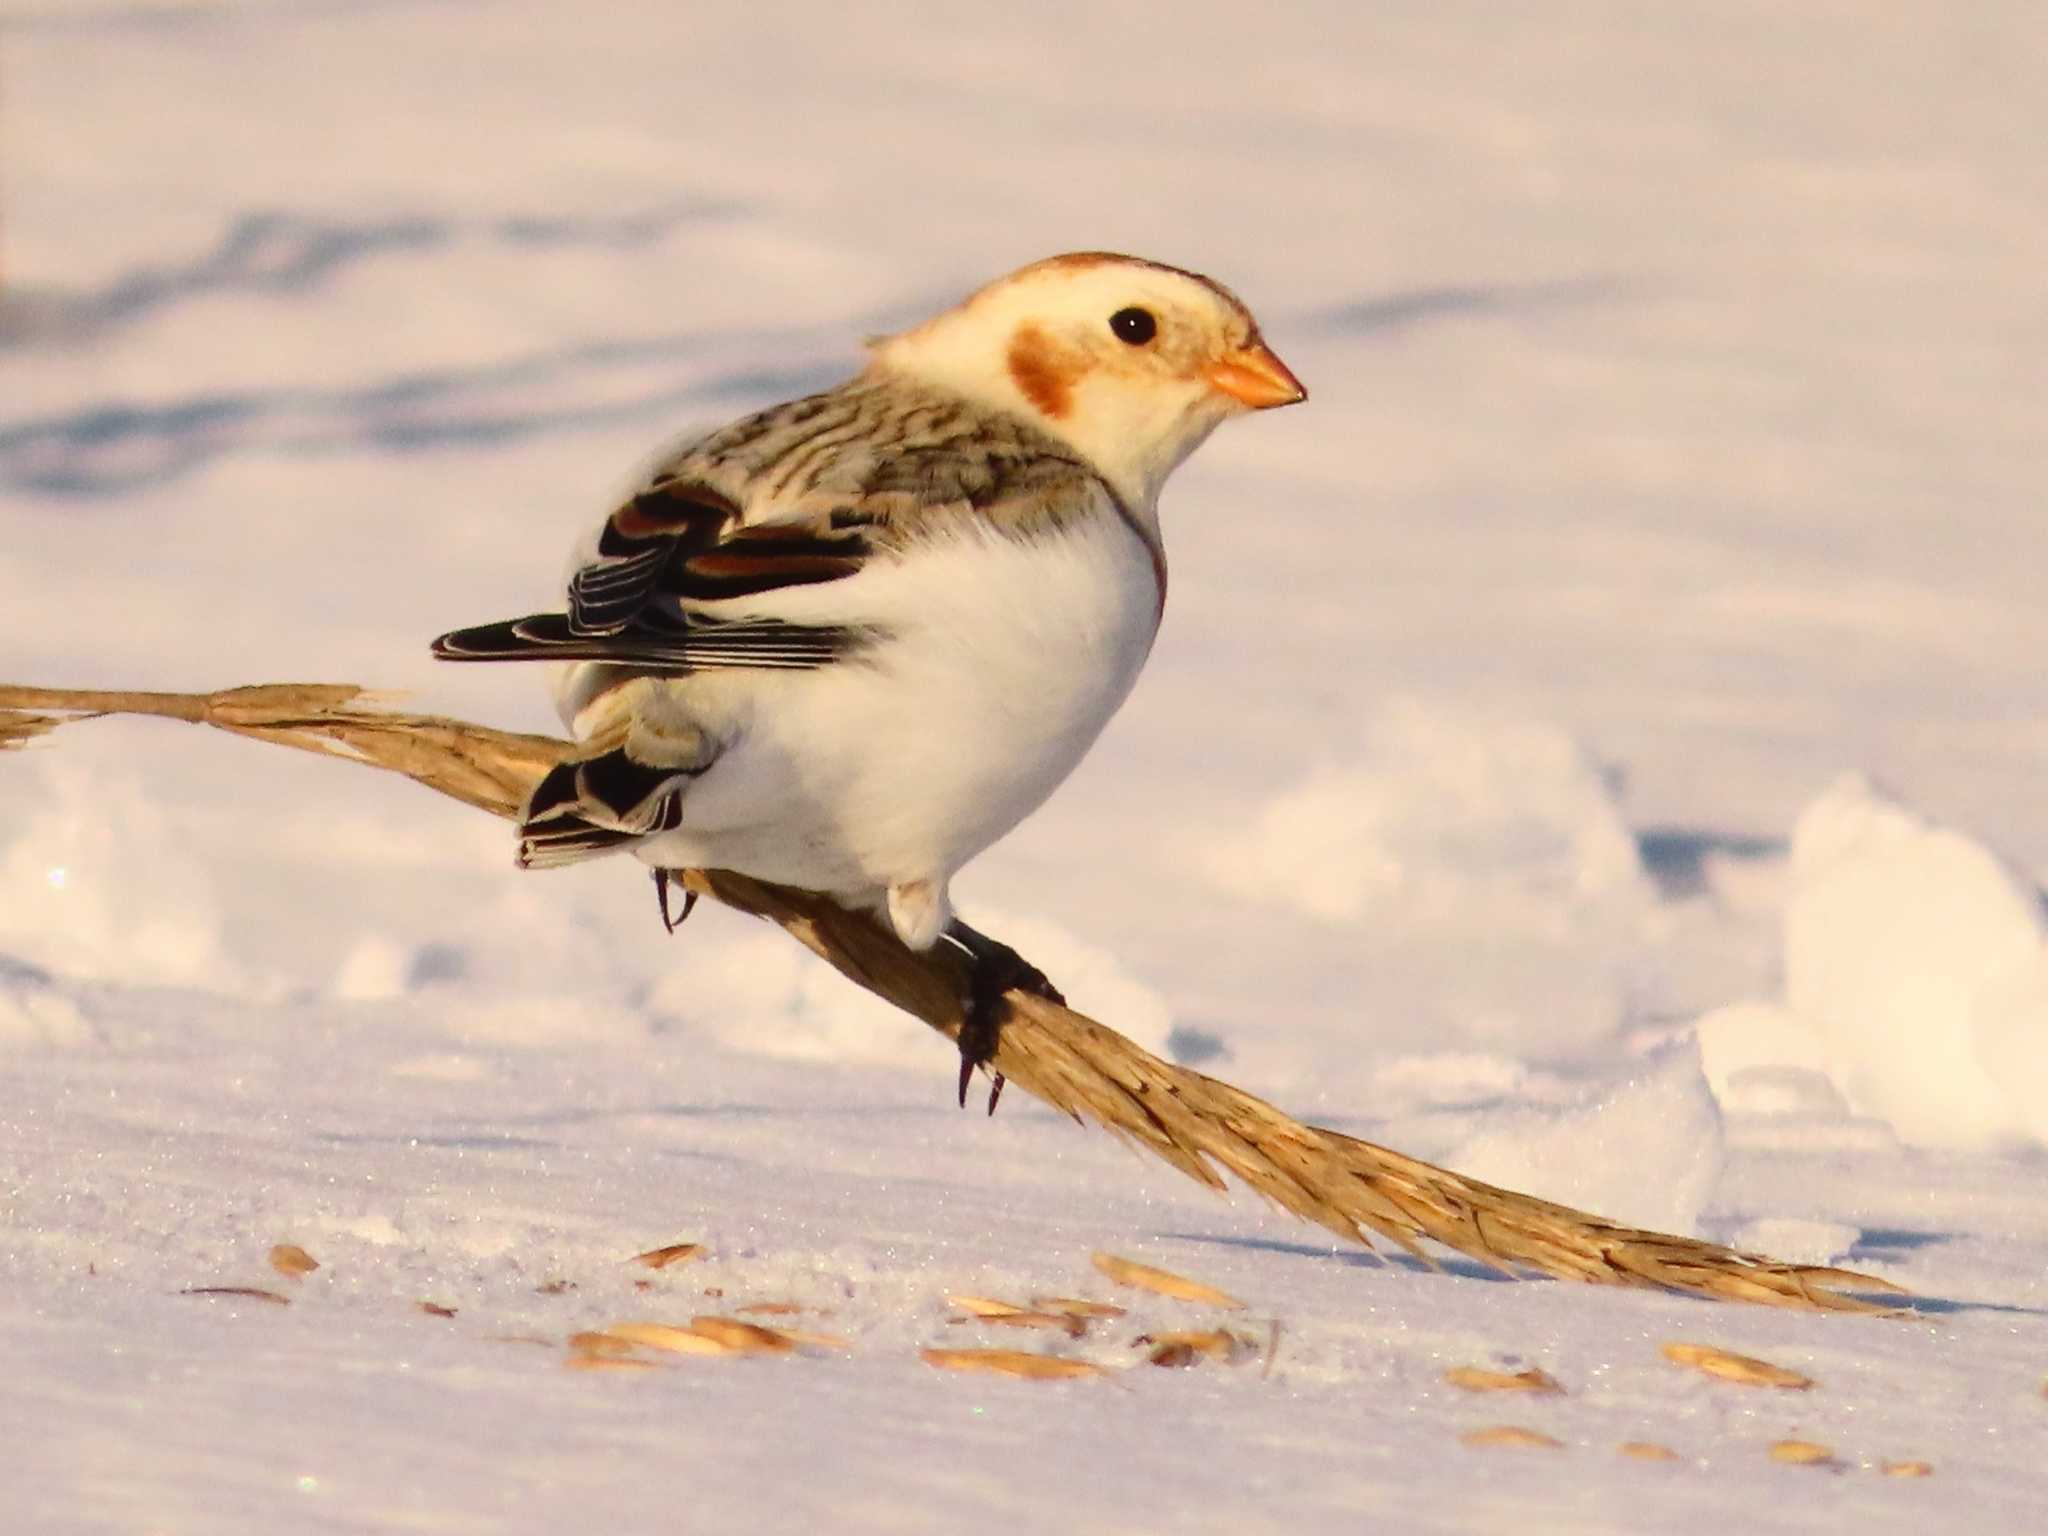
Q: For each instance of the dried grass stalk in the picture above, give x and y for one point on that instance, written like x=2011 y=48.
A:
x=1199 y=1124
x=1906 y=1468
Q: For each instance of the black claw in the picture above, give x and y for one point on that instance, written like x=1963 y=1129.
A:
x=996 y=969
x=662 y=880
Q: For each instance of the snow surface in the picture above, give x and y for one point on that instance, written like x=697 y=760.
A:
x=1674 y=451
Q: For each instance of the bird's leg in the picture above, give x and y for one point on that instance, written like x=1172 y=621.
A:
x=997 y=969
x=662 y=880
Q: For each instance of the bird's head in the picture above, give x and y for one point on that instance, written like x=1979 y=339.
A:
x=1129 y=362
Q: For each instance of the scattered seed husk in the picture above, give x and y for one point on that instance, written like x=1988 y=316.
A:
x=743 y=1338
x=622 y=1338
x=674 y=1253
x=1509 y=1435
x=1076 y=1306
x=598 y=1341
x=1475 y=1379
x=985 y=1306
x=1729 y=1366
x=1054 y=1322
x=248 y=1292
x=1184 y=1349
x=435 y=1309
x=554 y=1288
x=1906 y=1468
x=805 y=1338
x=1163 y=1282
x=290 y=1259
x=1801 y=1453
x=1646 y=1450
x=1010 y=1362
x=770 y=1309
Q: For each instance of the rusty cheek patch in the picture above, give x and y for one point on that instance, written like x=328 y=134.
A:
x=1045 y=376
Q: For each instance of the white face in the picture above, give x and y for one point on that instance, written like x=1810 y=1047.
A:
x=1131 y=363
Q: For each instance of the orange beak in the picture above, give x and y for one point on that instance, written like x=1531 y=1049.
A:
x=1254 y=377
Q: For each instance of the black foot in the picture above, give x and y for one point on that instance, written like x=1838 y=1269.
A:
x=997 y=969
x=662 y=879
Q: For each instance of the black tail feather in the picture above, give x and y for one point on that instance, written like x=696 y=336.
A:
x=598 y=805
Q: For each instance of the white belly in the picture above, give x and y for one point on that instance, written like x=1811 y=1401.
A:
x=1006 y=660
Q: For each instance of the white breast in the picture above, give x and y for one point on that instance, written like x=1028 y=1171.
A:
x=1005 y=658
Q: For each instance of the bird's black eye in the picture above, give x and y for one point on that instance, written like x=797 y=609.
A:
x=1134 y=325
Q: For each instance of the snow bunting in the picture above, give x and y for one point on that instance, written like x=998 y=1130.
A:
x=848 y=642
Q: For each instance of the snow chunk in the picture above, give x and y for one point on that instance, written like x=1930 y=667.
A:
x=1646 y=1151
x=1481 y=869
x=1745 y=1038
x=1441 y=806
x=1796 y=1240
x=1921 y=962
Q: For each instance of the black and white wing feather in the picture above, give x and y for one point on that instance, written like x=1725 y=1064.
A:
x=660 y=558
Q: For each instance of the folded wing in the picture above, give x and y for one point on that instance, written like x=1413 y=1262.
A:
x=672 y=548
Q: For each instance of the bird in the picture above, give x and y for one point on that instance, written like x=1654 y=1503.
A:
x=849 y=641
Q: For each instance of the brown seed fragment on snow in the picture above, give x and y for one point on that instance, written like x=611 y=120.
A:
x=435 y=1309
x=554 y=1288
x=1163 y=1282
x=674 y=1253
x=1474 y=1379
x=1729 y=1366
x=290 y=1259
x=249 y=1292
x=1906 y=1468
x=770 y=1309
x=1010 y=1362
x=1184 y=1349
x=1801 y=1453
x=1510 y=1435
x=1646 y=1450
